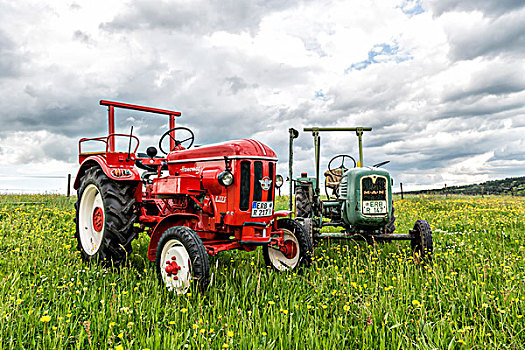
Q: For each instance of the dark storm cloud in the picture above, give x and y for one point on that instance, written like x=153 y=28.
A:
x=488 y=7
x=504 y=35
x=196 y=17
x=497 y=80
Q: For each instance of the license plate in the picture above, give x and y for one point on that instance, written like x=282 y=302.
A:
x=374 y=207
x=260 y=209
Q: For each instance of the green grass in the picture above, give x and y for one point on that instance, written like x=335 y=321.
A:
x=352 y=296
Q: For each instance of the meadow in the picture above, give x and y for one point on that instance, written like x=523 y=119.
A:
x=352 y=296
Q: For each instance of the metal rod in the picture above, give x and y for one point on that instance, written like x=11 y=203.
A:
x=338 y=129
x=129 y=146
x=359 y=133
x=138 y=108
x=68 y=185
x=380 y=237
x=111 y=128
x=290 y=168
x=172 y=125
x=317 y=146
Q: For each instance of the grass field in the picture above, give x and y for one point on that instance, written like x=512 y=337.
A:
x=352 y=296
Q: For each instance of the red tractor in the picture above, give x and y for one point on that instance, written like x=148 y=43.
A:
x=192 y=202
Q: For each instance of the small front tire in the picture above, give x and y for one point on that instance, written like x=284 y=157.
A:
x=298 y=245
x=181 y=260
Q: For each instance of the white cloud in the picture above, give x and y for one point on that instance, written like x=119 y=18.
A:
x=436 y=80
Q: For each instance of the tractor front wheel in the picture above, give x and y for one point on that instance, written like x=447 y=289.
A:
x=104 y=218
x=297 y=250
x=182 y=259
x=422 y=244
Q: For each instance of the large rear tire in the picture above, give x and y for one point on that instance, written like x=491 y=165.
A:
x=181 y=260
x=303 y=207
x=105 y=214
x=298 y=244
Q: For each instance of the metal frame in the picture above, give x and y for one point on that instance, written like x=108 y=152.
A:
x=111 y=118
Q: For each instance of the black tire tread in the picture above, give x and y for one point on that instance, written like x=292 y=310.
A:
x=119 y=217
x=303 y=207
x=195 y=248
x=422 y=243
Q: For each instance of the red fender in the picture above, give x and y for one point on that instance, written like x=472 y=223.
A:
x=181 y=219
x=132 y=174
x=281 y=213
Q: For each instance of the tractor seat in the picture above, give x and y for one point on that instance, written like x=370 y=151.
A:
x=333 y=178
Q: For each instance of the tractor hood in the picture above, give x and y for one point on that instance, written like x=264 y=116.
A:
x=367 y=196
x=235 y=149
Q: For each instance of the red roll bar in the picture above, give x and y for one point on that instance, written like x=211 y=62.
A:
x=111 y=118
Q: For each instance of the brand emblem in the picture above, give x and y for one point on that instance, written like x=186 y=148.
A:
x=220 y=199
x=265 y=183
x=121 y=173
x=190 y=170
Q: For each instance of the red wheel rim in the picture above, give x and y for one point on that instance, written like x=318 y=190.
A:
x=290 y=249
x=172 y=268
x=98 y=219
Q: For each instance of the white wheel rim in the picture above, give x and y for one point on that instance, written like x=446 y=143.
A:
x=177 y=282
x=279 y=260
x=90 y=238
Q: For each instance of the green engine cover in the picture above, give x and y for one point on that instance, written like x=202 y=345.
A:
x=367 y=197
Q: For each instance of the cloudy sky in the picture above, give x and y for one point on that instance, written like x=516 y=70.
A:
x=441 y=82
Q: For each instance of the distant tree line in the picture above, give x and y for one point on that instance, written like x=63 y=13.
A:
x=510 y=186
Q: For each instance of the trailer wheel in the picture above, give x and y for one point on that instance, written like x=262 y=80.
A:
x=297 y=244
x=104 y=218
x=182 y=259
x=303 y=207
x=391 y=226
x=422 y=244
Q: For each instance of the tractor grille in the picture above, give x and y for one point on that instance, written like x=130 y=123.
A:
x=373 y=190
x=258 y=175
x=270 y=191
x=343 y=187
x=245 y=185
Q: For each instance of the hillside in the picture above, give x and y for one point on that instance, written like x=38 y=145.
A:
x=511 y=185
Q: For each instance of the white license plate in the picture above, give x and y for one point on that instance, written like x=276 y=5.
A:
x=260 y=209
x=374 y=207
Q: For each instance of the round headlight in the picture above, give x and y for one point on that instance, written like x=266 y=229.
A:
x=278 y=181
x=225 y=178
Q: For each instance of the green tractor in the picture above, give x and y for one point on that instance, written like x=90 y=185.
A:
x=358 y=199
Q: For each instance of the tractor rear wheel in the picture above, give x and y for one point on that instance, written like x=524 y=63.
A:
x=298 y=248
x=422 y=244
x=105 y=214
x=182 y=259
x=303 y=207
x=308 y=226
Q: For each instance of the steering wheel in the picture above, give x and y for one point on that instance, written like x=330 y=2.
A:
x=342 y=166
x=177 y=142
